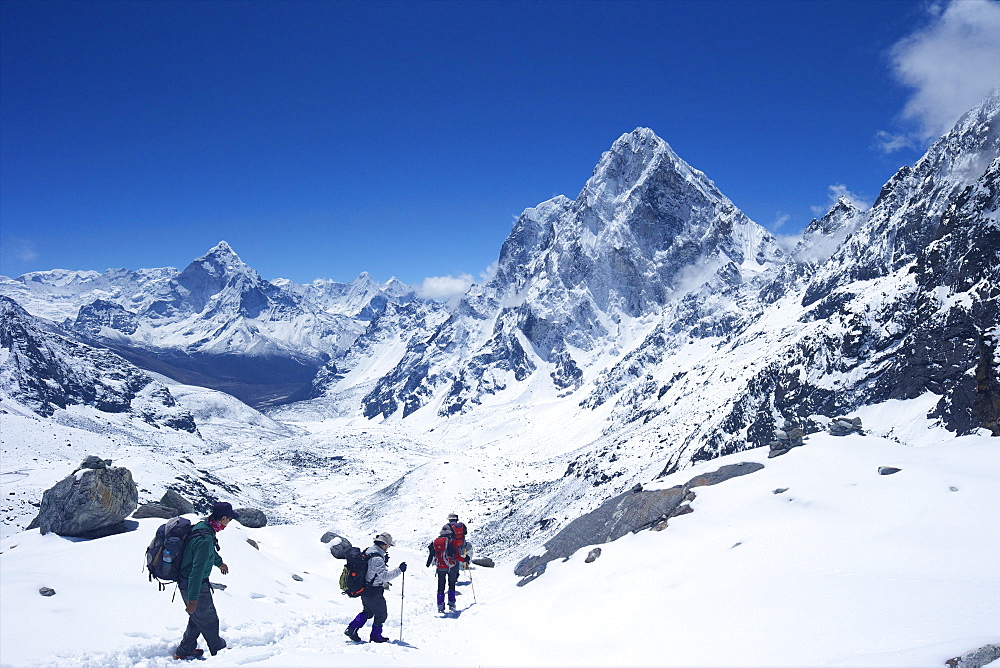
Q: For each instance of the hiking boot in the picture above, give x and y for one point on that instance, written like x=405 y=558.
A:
x=352 y=629
x=194 y=654
x=377 y=635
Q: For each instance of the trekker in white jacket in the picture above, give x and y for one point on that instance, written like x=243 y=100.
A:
x=373 y=596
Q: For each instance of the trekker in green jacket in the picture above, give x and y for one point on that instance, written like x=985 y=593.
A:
x=201 y=553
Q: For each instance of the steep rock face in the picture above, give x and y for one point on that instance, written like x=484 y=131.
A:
x=393 y=326
x=100 y=315
x=823 y=236
x=646 y=230
x=45 y=371
x=908 y=212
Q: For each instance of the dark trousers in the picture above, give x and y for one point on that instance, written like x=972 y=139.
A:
x=204 y=621
x=450 y=575
x=373 y=598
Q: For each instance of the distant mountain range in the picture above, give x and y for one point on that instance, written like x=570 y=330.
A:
x=650 y=303
x=217 y=323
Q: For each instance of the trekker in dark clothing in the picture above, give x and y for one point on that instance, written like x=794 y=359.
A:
x=373 y=597
x=441 y=553
x=201 y=553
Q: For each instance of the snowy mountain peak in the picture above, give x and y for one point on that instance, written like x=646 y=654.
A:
x=221 y=260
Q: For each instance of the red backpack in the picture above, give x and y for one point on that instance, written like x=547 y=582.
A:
x=444 y=552
x=460 y=549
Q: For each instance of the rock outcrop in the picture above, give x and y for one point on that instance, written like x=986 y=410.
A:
x=627 y=513
x=253 y=518
x=88 y=503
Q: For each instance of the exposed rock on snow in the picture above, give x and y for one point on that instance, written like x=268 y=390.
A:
x=171 y=505
x=174 y=500
x=155 y=510
x=88 y=503
x=785 y=441
x=977 y=658
x=986 y=406
x=253 y=518
x=627 y=513
x=844 y=426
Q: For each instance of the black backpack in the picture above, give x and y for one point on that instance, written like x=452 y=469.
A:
x=354 y=577
x=164 y=554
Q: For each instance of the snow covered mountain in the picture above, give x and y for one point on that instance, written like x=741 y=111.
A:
x=651 y=291
x=217 y=323
x=575 y=276
x=45 y=371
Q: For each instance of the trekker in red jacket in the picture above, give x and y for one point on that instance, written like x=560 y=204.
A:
x=461 y=547
x=441 y=553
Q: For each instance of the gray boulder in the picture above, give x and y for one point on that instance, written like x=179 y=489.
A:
x=155 y=510
x=844 y=426
x=251 y=517
x=94 y=462
x=172 y=499
x=977 y=658
x=785 y=440
x=592 y=556
x=88 y=503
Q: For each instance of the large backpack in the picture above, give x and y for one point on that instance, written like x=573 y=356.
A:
x=461 y=548
x=443 y=550
x=354 y=577
x=164 y=554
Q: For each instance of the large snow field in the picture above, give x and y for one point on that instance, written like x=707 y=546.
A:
x=845 y=567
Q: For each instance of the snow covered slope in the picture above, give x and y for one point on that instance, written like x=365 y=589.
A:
x=815 y=560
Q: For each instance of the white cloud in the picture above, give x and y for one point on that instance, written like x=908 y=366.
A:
x=445 y=287
x=890 y=143
x=487 y=275
x=951 y=64
x=18 y=250
x=780 y=221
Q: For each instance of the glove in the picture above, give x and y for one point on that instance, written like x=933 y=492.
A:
x=402 y=567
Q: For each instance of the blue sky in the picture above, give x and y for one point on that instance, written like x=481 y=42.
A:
x=323 y=139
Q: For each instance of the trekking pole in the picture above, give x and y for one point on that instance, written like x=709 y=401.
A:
x=469 y=571
x=402 y=595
